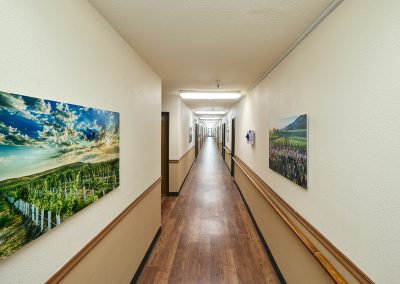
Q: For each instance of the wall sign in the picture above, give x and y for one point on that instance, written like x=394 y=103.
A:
x=250 y=137
x=55 y=159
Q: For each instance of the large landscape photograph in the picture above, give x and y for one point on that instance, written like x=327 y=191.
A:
x=55 y=159
x=288 y=148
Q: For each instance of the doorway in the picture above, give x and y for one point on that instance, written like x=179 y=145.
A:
x=165 y=153
x=196 y=140
x=233 y=148
x=223 y=141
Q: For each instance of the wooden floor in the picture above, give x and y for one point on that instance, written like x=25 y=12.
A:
x=207 y=234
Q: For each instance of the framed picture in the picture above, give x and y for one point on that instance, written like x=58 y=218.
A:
x=190 y=134
x=227 y=131
x=288 y=139
x=55 y=159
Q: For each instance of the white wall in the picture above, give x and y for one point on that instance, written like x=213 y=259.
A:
x=345 y=76
x=65 y=51
x=187 y=118
x=171 y=104
x=227 y=119
x=180 y=119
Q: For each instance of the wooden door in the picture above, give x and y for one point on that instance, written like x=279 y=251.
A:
x=196 y=139
x=233 y=148
x=223 y=141
x=165 y=153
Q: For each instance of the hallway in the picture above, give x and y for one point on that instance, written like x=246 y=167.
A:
x=207 y=234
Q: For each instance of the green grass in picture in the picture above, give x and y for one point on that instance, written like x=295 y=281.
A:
x=55 y=159
x=288 y=148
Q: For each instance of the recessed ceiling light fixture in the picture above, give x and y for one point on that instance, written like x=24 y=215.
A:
x=192 y=95
x=210 y=112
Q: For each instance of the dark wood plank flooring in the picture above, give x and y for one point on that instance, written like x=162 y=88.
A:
x=207 y=234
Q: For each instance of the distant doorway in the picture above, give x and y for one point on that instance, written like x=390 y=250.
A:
x=223 y=141
x=196 y=140
x=165 y=153
x=233 y=148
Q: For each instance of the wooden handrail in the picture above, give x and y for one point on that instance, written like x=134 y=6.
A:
x=63 y=271
x=323 y=261
x=336 y=253
x=177 y=161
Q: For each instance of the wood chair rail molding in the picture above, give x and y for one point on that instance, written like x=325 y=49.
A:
x=63 y=271
x=227 y=150
x=267 y=192
x=183 y=156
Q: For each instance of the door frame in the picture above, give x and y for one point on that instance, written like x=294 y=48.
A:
x=223 y=140
x=166 y=114
x=196 y=139
x=233 y=147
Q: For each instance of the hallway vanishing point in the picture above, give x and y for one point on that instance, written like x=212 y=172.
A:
x=207 y=234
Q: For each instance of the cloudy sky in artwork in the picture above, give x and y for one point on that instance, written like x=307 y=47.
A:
x=37 y=135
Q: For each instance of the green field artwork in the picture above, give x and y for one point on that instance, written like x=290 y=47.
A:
x=55 y=159
x=288 y=148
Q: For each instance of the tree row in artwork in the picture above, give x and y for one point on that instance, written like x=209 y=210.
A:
x=46 y=199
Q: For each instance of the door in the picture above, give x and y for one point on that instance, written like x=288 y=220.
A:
x=233 y=148
x=223 y=141
x=165 y=153
x=196 y=140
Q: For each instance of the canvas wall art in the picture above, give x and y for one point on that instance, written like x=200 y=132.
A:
x=288 y=148
x=55 y=159
x=227 y=131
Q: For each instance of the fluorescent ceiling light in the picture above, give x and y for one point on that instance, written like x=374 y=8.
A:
x=210 y=112
x=209 y=118
x=188 y=95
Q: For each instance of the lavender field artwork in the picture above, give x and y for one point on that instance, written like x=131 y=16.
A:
x=288 y=148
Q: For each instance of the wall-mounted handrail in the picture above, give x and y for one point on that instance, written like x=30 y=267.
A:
x=323 y=261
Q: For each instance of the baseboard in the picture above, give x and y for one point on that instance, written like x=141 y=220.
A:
x=266 y=247
x=146 y=256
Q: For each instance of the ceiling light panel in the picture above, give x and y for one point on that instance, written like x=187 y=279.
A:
x=187 y=95
x=210 y=112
